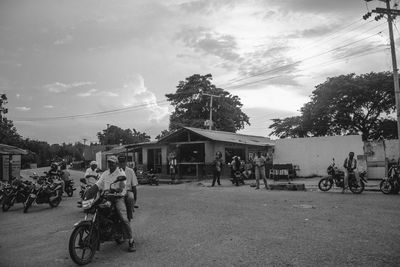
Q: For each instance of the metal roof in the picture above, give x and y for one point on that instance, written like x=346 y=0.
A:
x=11 y=150
x=232 y=137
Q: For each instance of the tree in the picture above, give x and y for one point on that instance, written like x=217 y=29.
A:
x=116 y=135
x=343 y=105
x=193 y=109
x=8 y=133
x=162 y=134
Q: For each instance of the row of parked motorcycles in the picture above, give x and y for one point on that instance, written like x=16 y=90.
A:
x=47 y=189
x=388 y=185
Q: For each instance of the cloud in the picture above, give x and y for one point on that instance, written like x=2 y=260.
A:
x=48 y=106
x=88 y=93
x=206 y=6
x=23 y=108
x=17 y=95
x=208 y=42
x=59 y=87
x=65 y=40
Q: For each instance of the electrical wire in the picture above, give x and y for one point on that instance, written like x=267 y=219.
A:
x=90 y=115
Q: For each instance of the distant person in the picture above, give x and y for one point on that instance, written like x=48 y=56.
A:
x=65 y=175
x=259 y=164
x=217 y=168
x=350 y=166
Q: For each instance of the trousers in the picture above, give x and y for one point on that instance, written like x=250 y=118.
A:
x=260 y=171
x=130 y=204
x=122 y=212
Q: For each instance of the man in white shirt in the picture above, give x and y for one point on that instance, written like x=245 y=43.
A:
x=106 y=179
x=91 y=174
x=131 y=183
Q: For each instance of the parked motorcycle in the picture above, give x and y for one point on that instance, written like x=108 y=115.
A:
x=336 y=177
x=104 y=225
x=5 y=190
x=18 y=193
x=391 y=184
x=148 y=177
x=69 y=187
x=44 y=191
x=238 y=178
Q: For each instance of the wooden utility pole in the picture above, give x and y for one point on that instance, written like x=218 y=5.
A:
x=211 y=104
x=391 y=14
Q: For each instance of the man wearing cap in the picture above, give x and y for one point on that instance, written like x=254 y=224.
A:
x=106 y=179
x=91 y=174
x=131 y=183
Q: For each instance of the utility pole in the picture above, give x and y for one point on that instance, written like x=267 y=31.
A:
x=391 y=14
x=211 y=104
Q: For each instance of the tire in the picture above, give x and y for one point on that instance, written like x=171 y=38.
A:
x=386 y=187
x=55 y=202
x=28 y=204
x=325 y=184
x=80 y=239
x=7 y=204
x=69 y=191
x=356 y=189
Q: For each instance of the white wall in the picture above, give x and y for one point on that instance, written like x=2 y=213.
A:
x=392 y=149
x=313 y=155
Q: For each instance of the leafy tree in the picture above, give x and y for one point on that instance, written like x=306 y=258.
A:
x=117 y=135
x=162 y=134
x=343 y=105
x=8 y=133
x=193 y=109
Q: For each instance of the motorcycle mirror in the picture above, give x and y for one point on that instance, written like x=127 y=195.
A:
x=83 y=180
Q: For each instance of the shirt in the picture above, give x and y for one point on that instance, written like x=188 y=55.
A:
x=108 y=178
x=259 y=161
x=91 y=180
x=131 y=179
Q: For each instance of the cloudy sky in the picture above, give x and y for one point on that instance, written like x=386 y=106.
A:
x=71 y=67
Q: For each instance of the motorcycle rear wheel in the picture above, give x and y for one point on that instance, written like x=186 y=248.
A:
x=81 y=239
x=386 y=187
x=356 y=188
x=69 y=191
x=325 y=184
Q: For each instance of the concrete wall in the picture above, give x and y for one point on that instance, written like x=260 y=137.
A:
x=392 y=149
x=313 y=155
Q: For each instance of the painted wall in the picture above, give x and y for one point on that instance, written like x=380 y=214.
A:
x=313 y=155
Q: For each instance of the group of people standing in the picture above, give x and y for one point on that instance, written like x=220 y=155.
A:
x=255 y=166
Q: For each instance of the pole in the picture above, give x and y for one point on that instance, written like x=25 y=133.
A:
x=211 y=102
x=395 y=71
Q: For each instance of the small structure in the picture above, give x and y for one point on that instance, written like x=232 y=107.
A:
x=10 y=161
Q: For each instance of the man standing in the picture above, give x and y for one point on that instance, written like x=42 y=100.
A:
x=131 y=183
x=106 y=179
x=259 y=163
x=350 y=166
x=217 y=167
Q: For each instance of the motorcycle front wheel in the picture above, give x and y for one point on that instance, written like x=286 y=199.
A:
x=82 y=245
x=386 y=187
x=54 y=202
x=325 y=184
x=7 y=204
x=28 y=204
x=356 y=188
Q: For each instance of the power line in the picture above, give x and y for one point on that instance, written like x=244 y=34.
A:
x=94 y=114
x=298 y=62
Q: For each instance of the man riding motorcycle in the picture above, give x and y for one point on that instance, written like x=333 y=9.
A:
x=106 y=179
x=91 y=177
x=350 y=166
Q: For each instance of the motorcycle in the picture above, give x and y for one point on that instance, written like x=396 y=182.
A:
x=5 y=190
x=69 y=187
x=238 y=178
x=391 y=184
x=18 y=193
x=336 y=177
x=44 y=191
x=104 y=225
x=147 y=177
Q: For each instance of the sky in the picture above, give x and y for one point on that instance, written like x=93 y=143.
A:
x=71 y=67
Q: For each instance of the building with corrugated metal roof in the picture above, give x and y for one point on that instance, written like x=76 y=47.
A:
x=10 y=161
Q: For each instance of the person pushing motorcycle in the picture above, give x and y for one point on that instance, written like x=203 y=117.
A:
x=106 y=179
x=350 y=166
